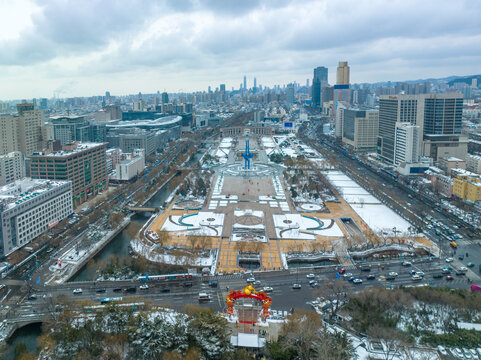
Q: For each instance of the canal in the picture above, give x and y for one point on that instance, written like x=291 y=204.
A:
x=119 y=246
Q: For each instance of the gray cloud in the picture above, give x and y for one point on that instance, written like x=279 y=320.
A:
x=194 y=43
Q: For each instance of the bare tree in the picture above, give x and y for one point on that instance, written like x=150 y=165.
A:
x=336 y=293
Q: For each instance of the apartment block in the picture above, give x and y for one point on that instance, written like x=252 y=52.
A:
x=360 y=129
x=12 y=167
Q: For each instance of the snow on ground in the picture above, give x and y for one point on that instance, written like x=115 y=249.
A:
x=257 y=213
x=299 y=225
x=287 y=151
x=199 y=223
x=361 y=199
x=381 y=218
x=226 y=142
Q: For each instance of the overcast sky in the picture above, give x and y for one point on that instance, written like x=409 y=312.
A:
x=83 y=48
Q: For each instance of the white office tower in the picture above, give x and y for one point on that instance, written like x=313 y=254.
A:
x=406 y=143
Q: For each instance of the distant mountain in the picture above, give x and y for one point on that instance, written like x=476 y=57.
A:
x=449 y=79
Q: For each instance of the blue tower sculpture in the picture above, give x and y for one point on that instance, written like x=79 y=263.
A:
x=247 y=156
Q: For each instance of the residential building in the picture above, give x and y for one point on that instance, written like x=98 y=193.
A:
x=360 y=129
x=84 y=164
x=12 y=167
x=467 y=186
x=406 y=143
x=30 y=207
x=449 y=163
x=473 y=163
x=8 y=134
x=340 y=107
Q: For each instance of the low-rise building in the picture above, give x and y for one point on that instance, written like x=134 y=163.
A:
x=449 y=163
x=473 y=163
x=128 y=168
x=12 y=167
x=29 y=207
x=467 y=185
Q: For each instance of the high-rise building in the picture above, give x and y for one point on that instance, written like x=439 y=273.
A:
x=69 y=129
x=255 y=84
x=360 y=129
x=342 y=73
x=30 y=207
x=245 y=83
x=318 y=82
x=290 y=98
x=12 y=167
x=438 y=117
x=23 y=132
x=165 y=98
x=406 y=143
x=84 y=164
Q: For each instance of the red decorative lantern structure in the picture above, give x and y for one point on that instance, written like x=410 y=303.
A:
x=250 y=293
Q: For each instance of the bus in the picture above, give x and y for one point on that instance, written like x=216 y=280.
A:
x=475 y=288
x=109 y=300
x=203 y=297
x=165 y=277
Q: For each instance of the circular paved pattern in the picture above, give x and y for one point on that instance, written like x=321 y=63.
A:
x=257 y=170
x=311 y=207
x=287 y=221
x=210 y=219
x=188 y=204
x=248 y=220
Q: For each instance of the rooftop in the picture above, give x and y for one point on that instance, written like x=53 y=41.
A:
x=23 y=190
x=68 y=152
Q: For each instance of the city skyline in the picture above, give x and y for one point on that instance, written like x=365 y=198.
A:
x=70 y=50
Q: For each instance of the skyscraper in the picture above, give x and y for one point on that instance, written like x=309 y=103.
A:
x=165 y=98
x=319 y=80
x=255 y=83
x=290 y=94
x=342 y=73
x=245 y=83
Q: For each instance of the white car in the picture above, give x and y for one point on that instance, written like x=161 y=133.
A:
x=267 y=289
x=416 y=278
x=144 y=287
x=357 y=281
x=77 y=291
x=448 y=260
x=458 y=353
x=310 y=276
x=442 y=350
x=467 y=354
x=420 y=273
x=347 y=275
x=393 y=273
x=463 y=269
x=251 y=280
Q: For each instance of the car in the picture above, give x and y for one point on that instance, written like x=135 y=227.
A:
x=437 y=276
x=352 y=278
x=463 y=269
x=342 y=271
x=310 y=276
x=460 y=273
x=390 y=278
x=416 y=278
x=393 y=273
x=357 y=281
x=187 y=284
x=165 y=290
x=117 y=289
x=267 y=289
x=213 y=283
x=347 y=275
x=250 y=280
x=32 y=297
x=296 y=286
x=311 y=282
x=77 y=291
x=365 y=268
x=467 y=354
x=461 y=257
x=458 y=353
x=406 y=263
x=371 y=277
x=449 y=278
x=144 y=287
x=478 y=350
x=473 y=353
x=315 y=284
x=442 y=350
x=101 y=290
x=130 y=289
x=470 y=265
x=420 y=273
x=449 y=259
x=256 y=283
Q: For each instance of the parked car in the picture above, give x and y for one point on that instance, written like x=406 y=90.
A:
x=442 y=350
